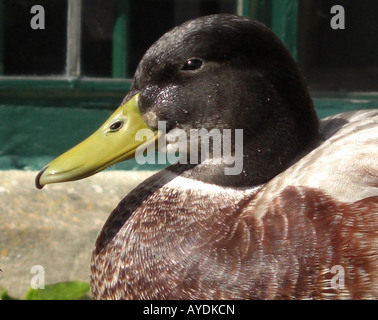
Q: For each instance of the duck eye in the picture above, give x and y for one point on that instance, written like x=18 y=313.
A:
x=116 y=125
x=192 y=64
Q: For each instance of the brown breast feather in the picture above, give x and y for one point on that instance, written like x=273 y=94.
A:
x=232 y=253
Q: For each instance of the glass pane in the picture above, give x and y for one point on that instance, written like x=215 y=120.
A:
x=341 y=59
x=151 y=19
x=146 y=21
x=98 y=18
x=28 y=51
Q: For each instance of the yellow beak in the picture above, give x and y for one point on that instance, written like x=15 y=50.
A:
x=113 y=142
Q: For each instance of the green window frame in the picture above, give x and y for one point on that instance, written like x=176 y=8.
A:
x=32 y=108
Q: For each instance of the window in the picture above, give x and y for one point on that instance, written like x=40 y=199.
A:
x=127 y=30
x=30 y=52
x=102 y=39
x=91 y=39
x=340 y=60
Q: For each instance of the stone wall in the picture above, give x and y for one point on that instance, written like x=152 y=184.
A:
x=55 y=227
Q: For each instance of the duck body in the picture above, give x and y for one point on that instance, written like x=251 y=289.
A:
x=300 y=220
x=293 y=237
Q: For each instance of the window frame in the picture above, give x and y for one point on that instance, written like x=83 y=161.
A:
x=72 y=87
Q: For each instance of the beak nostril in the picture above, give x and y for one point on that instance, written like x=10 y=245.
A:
x=116 y=125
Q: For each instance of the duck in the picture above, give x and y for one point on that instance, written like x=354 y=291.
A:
x=298 y=218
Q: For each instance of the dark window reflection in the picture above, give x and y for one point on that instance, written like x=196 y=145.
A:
x=24 y=51
x=147 y=20
x=27 y=51
x=339 y=60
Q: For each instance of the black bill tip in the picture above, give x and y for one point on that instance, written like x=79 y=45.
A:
x=37 y=178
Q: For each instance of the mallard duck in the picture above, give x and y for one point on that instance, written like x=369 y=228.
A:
x=298 y=221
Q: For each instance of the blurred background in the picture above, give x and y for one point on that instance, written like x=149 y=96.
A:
x=58 y=84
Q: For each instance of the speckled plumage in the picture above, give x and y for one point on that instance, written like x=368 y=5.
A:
x=183 y=251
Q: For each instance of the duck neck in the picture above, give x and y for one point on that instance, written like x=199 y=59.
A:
x=260 y=162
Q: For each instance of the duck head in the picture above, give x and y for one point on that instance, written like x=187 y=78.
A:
x=214 y=72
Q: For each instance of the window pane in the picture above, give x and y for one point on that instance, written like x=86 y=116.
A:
x=146 y=21
x=151 y=19
x=29 y=51
x=98 y=18
x=342 y=59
